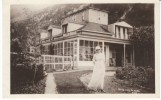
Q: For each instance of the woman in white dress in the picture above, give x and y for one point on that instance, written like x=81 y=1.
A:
x=97 y=80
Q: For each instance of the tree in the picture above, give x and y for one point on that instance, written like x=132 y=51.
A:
x=143 y=41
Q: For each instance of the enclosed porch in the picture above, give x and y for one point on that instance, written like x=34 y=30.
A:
x=81 y=51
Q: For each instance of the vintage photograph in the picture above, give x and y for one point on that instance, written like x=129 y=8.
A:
x=84 y=48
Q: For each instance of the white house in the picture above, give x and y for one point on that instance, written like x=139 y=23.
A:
x=83 y=30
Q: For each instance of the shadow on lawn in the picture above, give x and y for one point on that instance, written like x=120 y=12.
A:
x=69 y=83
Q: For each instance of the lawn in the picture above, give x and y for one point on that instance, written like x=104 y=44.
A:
x=113 y=85
x=69 y=83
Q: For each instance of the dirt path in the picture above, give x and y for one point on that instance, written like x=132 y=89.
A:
x=50 y=84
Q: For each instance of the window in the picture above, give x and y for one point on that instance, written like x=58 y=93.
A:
x=86 y=49
x=46 y=49
x=124 y=32
x=119 y=35
x=115 y=31
x=74 y=17
x=58 y=50
x=64 y=28
x=70 y=48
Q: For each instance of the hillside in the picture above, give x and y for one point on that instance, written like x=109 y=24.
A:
x=26 y=26
x=135 y=14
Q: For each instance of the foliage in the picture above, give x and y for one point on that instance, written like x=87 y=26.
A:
x=28 y=88
x=22 y=77
x=26 y=73
x=138 y=76
x=134 y=14
x=143 y=41
x=143 y=37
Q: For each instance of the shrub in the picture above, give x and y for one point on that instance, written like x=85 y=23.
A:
x=39 y=72
x=137 y=76
x=25 y=73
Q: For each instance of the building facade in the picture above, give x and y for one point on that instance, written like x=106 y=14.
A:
x=81 y=31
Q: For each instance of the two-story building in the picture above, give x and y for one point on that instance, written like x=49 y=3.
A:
x=81 y=31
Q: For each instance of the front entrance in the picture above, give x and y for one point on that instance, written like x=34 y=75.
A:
x=113 y=55
x=118 y=59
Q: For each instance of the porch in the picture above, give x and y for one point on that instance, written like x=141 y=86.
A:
x=80 y=50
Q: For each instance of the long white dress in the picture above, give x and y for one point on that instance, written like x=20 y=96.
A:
x=97 y=79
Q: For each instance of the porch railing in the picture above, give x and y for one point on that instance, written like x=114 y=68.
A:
x=56 y=63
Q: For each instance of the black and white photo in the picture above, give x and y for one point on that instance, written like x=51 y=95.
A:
x=83 y=48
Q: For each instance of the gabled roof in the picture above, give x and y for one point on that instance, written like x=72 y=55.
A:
x=94 y=27
x=54 y=26
x=123 y=23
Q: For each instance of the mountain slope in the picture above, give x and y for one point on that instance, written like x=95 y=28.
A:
x=26 y=28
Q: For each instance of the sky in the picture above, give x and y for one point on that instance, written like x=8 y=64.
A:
x=18 y=10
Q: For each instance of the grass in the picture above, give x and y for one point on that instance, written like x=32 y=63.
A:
x=113 y=85
x=69 y=83
x=29 y=88
x=127 y=87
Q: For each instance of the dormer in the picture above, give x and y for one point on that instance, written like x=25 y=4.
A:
x=121 y=30
x=54 y=30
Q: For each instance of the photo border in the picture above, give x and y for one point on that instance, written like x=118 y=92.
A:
x=6 y=50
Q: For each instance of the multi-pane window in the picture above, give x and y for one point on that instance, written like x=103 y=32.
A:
x=58 y=48
x=70 y=48
x=87 y=49
x=46 y=49
x=64 y=28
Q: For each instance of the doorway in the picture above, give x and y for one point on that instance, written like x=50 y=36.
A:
x=118 y=59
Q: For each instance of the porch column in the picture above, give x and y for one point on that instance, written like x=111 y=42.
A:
x=78 y=52
x=133 y=55
x=63 y=55
x=107 y=55
x=103 y=45
x=124 y=54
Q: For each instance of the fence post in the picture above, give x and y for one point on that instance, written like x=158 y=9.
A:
x=44 y=62
x=54 y=63
x=63 y=62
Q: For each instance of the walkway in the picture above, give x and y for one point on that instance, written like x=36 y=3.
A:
x=108 y=72
x=50 y=84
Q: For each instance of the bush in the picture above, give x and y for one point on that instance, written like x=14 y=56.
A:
x=23 y=73
x=39 y=72
x=137 y=76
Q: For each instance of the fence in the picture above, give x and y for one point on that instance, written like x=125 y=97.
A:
x=56 y=63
